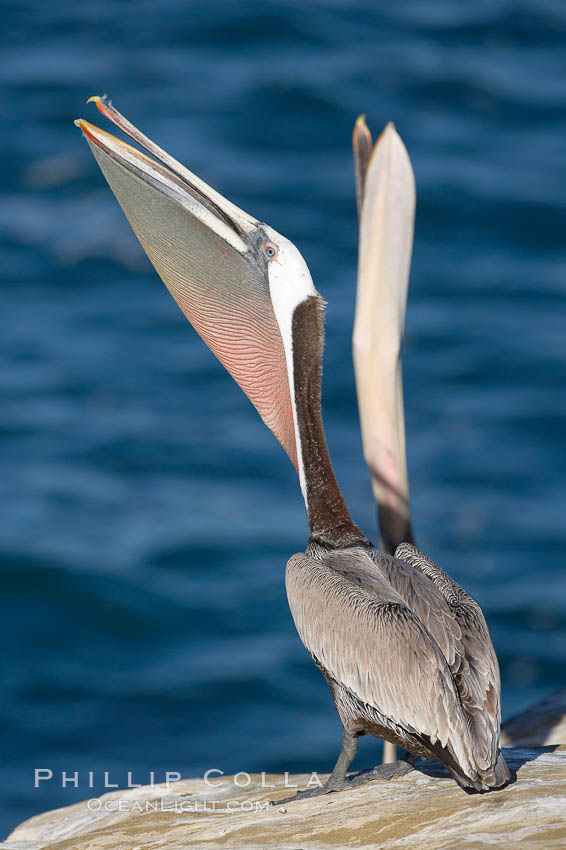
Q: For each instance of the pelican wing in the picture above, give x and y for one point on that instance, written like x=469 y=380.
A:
x=426 y=601
x=475 y=666
x=364 y=635
x=457 y=625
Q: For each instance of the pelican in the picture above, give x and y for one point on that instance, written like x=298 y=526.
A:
x=405 y=651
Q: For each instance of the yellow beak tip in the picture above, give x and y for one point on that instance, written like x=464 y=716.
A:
x=94 y=99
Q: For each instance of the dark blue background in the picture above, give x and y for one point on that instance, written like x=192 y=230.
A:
x=147 y=513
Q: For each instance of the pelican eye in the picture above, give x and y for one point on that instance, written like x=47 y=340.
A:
x=270 y=251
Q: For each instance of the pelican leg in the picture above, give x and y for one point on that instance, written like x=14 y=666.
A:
x=337 y=779
x=348 y=751
x=388 y=771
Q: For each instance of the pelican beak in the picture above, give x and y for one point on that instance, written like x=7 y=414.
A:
x=167 y=177
x=209 y=253
x=385 y=186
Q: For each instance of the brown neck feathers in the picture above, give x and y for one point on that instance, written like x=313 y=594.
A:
x=328 y=516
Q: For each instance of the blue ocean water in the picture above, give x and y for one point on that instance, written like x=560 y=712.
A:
x=147 y=514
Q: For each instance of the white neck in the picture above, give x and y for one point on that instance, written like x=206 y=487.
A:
x=290 y=283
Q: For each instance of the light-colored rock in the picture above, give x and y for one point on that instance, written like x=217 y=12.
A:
x=424 y=809
x=540 y=725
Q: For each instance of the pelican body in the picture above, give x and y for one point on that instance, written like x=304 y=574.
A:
x=405 y=651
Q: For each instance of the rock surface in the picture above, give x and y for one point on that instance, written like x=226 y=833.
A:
x=539 y=725
x=424 y=809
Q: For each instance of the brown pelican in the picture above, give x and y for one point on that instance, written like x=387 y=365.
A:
x=405 y=651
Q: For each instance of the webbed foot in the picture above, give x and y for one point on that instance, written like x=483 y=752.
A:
x=385 y=772
x=328 y=787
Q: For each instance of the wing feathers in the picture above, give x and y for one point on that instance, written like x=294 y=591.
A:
x=475 y=669
x=376 y=647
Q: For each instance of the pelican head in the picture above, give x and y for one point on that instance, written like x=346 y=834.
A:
x=237 y=280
